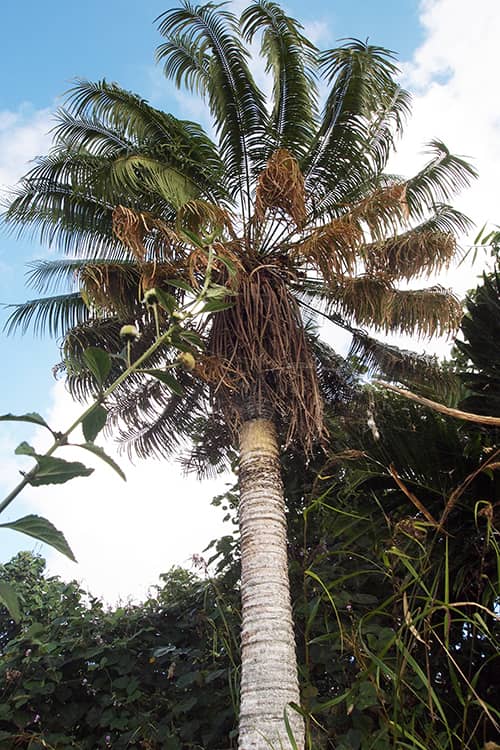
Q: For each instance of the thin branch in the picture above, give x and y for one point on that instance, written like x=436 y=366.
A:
x=441 y=408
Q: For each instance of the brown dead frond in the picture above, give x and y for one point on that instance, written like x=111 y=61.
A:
x=145 y=235
x=263 y=365
x=364 y=299
x=332 y=249
x=411 y=496
x=113 y=288
x=130 y=227
x=426 y=312
x=281 y=186
x=383 y=211
x=412 y=253
x=204 y=218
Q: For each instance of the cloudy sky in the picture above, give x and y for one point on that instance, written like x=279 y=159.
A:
x=124 y=535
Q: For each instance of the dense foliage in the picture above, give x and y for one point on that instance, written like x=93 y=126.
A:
x=76 y=675
x=397 y=638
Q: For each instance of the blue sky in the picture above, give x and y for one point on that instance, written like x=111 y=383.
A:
x=46 y=45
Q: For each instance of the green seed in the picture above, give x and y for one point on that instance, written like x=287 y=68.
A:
x=129 y=333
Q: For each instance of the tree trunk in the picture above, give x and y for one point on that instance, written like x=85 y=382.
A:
x=269 y=679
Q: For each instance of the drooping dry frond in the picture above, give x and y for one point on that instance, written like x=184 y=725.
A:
x=442 y=408
x=426 y=312
x=335 y=248
x=373 y=301
x=384 y=210
x=203 y=218
x=332 y=249
x=262 y=364
x=411 y=253
x=110 y=288
x=281 y=186
x=132 y=227
x=363 y=299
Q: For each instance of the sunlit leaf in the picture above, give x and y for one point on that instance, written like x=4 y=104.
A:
x=216 y=305
x=51 y=470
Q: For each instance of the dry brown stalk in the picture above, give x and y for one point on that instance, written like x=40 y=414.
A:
x=441 y=408
x=414 y=499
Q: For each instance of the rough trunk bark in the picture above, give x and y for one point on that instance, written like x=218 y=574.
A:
x=269 y=665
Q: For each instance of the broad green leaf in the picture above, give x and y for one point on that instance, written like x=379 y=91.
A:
x=179 y=284
x=182 y=346
x=51 y=470
x=43 y=530
x=215 y=305
x=94 y=422
x=192 y=337
x=367 y=696
x=166 y=300
x=167 y=378
x=98 y=451
x=8 y=598
x=31 y=417
x=25 y=449
x=57 y=471
x=99 y=363
x=34 y=632
x=217 y=291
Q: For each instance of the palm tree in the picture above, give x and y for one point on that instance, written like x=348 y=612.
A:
x=295 y=205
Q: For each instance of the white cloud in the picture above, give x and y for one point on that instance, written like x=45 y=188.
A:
x=454 y=78
x=24 y=134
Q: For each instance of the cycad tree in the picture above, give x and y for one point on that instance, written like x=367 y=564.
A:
x=293 y=201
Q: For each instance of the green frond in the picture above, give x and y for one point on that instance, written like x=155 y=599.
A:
x=123 y=112
x=291 y=61
x=237 y=105
x=90 y=134
x=47 y=275
x=53 y=315
x=138 y=173
x=77 y=223
x=210 y=452
x=480 y=331
x=186 y=63
x=441 y=178
x=364 y=108
x=400 y=365
x=102 y=117
x=336 y=380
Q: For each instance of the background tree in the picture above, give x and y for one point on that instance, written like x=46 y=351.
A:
x=74 y=674
x=299 y=210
